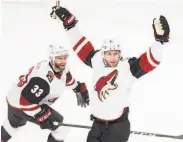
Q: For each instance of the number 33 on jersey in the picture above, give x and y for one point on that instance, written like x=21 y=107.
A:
x=40 y=85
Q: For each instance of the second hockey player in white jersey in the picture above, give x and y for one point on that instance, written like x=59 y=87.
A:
x=113 y=76
x=30 y=98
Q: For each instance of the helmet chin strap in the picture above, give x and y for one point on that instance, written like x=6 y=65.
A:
x=105 y=63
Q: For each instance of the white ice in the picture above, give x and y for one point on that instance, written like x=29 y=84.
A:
x=156 y=101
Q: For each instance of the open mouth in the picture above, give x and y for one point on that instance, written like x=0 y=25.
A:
x=60 y=67
x=113 y=62
x=63 y=65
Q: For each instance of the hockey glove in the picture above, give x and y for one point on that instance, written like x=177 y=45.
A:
x=161 y=29
x=69 y=20
x=82 y=94
x=46 y=118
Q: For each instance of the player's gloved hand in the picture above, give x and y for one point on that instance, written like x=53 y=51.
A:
x=161 y=29
x=42 y=118
x=82 y=94
x=69 y=20
x=47 y=117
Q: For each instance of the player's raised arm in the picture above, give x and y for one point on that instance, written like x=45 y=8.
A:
x=149 y=60
x=80 y=44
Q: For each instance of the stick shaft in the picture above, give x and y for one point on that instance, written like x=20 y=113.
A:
x=58 y=3
x=132 y=132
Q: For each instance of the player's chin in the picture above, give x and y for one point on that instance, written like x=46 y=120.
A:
x=62 y=67
x=113 y=64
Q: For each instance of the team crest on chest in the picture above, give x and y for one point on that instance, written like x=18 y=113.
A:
x=106 y=83
x=50 y=76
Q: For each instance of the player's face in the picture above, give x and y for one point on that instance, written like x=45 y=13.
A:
x=60 y=62
x=112 y=57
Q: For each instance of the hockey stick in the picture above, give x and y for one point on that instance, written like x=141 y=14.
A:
x=156 y=135
x=132 y=132
x=53 y=14
x=58 y=3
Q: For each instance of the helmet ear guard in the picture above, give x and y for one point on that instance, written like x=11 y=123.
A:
x=52 y=60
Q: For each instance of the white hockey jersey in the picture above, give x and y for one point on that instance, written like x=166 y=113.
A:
x=40 y=85
x=114 y=84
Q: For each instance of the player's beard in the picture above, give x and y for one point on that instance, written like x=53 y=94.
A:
x=60 y=67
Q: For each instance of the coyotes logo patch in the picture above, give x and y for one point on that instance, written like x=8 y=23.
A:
x=106 y=83
x=50 y=76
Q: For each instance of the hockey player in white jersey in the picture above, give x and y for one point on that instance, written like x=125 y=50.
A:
x=113 y=76
x=30 y=98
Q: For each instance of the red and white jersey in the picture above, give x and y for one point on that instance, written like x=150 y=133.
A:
x=40 y=85
x=114 y=84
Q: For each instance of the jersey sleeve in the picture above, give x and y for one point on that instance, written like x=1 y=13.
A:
x=81 y=46
x=70 y=81
x=147 y=62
